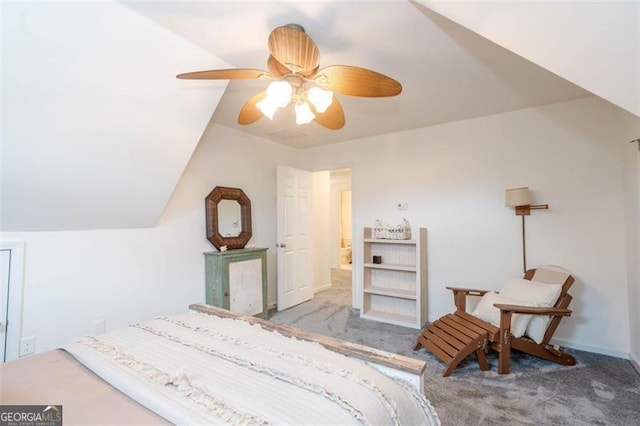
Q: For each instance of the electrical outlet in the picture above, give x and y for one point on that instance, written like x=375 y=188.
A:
x=402 y=206
x=99 y=326
x=27 y=345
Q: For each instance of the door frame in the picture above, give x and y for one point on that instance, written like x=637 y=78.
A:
x=14 y=311
x=356 y=240
x=336 y=189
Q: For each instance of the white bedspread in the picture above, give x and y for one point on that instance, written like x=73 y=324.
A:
x=201 y=369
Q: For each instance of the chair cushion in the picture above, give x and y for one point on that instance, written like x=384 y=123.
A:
x=551 y=274
x=539 y=294
x=531 y=291
x=486 y=311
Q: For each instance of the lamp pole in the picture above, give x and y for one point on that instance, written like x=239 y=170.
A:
x=524 y=249
x=525 y=211
x=520 y=199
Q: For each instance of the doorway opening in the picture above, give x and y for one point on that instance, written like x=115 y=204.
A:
x=333 y=233
x=314 y=236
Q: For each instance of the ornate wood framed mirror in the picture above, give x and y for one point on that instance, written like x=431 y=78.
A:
x=228 y=214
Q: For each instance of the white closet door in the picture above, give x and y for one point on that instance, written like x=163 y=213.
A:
x=5 y=258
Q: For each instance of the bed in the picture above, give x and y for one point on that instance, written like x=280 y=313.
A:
x=212 y=366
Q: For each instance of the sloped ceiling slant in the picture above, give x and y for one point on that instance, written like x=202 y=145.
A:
x=96 y=129
x=595 y=45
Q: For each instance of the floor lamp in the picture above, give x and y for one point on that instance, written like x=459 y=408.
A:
x=520 y=199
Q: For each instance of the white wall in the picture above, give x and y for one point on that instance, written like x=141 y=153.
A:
x=320 y=232
x=635 y=308
x=75 y=277
x=632 y=220
x=453 y=177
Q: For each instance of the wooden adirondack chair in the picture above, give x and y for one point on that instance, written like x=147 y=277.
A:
x=455 y=336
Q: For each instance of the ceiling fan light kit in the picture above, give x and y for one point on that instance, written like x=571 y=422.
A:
x=279 y=92
x=291 y=90
x=278 y=96
x=293 y=65
x=321 y=99
x=304 y=114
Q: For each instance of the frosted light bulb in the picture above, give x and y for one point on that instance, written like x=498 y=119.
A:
x=321 y=99
x=304 y=114
x=268 y=107
x=280 y=93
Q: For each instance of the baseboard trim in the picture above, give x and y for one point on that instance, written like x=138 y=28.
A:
x=321 y=288
x=317 y=290
x=589 y=348
x=634 y=362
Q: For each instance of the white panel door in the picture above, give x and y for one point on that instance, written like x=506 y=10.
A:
x=293 y=237
x=5 y=257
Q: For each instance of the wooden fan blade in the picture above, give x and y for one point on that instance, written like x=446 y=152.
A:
x=332 y=118
x=356 y=81
x=230 y=74
x=276 y=68
x=294 y=49
x=250 y=112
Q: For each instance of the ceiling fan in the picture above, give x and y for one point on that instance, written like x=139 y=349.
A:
x=297 y=79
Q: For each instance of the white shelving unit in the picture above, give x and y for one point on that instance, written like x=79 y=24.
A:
x=395 y=291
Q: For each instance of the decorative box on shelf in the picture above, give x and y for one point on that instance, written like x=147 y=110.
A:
x=386 y=232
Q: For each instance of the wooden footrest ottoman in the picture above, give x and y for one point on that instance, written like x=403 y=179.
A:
x=452 y=338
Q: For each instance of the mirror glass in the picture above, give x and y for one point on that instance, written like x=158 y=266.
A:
x=228 y=214
x=229 y=218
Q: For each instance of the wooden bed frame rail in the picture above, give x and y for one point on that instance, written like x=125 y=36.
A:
x=400 y=366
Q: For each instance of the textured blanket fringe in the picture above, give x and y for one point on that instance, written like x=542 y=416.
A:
x=425 y=404
x=327 y=394
x=180 y=382
x=325 y=368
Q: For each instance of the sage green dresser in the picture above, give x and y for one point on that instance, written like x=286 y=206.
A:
x=237 y=280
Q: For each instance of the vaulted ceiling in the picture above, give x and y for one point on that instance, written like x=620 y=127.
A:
x=94 y=120
x=448 y=72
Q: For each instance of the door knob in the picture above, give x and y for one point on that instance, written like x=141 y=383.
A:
x=281 y=245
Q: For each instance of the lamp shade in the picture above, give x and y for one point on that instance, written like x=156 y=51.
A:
x=268 y=107
x=280 y=93
x=518 y=197
x=304 y=114
x=321 y=99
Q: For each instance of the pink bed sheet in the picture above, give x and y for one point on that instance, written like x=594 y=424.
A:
x=55 y=377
